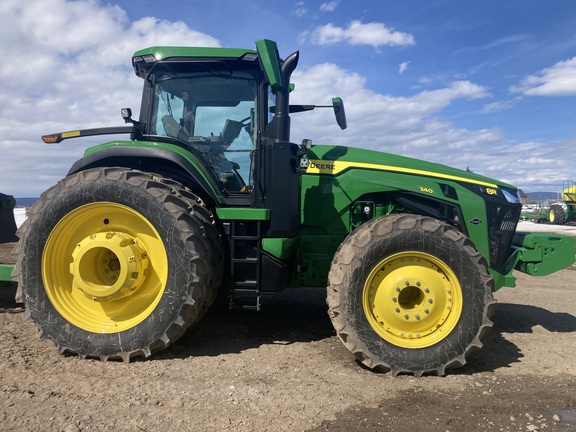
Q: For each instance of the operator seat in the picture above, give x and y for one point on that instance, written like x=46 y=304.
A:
x=173 y=129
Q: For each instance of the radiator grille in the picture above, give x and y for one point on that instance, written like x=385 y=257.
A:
x=502 y=221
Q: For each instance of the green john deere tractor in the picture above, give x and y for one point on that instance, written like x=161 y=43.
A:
x=129 y=250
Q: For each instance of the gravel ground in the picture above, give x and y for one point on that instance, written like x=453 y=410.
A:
x=283 y=369
x=528 y=226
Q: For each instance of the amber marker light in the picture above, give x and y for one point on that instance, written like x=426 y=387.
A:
x=49 y=139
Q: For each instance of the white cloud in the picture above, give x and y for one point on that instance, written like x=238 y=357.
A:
x=329 y=6
x=497 y=106
x=69 y=67
x=411 y=126
x=300 y=10
x=508 y=40
x=385 y=119
x=403 y=67
x=357 y=33
x=558 y=80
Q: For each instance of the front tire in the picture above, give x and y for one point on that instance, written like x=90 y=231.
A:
x=410 y=294
x=113 y=263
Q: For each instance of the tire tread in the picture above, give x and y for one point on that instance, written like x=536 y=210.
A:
x=197 y=230
x=339 y=281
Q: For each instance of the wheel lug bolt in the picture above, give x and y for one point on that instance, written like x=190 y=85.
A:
x=397 y=310
x=406 y=283
x=417 y=317
x=427 y=311
x=394 y=299
x=430 y=301
x=406 y=316
x=427 y=290
x=418 y=284
x=397 y=289
x=449 y=291
x=450 y=299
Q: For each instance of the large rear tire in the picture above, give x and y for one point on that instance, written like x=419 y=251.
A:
x=115 y=263
x=410 y=294
x=212 y=231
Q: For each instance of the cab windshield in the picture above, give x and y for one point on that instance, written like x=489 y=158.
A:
x=212 y=109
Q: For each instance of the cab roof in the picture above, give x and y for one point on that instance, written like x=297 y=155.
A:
x=144 y=59
x=165 y=52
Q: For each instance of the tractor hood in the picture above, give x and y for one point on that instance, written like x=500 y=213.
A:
x=335 y=160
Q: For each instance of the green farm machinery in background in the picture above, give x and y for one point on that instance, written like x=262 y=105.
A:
x=7 y=230
x=209 y=195
x=559 y=212
x=565 y=212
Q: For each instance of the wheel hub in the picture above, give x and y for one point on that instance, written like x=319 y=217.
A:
x=410 y=299
x=108 y=266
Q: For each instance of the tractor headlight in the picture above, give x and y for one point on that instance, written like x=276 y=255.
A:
x=512 y=196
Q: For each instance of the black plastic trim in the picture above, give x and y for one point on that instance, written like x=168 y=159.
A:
x=432 y=207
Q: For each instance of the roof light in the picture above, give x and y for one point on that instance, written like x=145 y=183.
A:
x=148 y=58
x=250 y=57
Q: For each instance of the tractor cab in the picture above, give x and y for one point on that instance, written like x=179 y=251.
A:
x=230 y=109
x=220 y=102
x=212 y=111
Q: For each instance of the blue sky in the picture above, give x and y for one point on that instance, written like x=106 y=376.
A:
x=487 y=85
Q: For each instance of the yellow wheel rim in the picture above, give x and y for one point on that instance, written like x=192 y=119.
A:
x=104 y=267
x=552 y=216
x=412 y=300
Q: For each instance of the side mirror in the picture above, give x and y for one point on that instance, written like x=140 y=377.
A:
x=338 y=105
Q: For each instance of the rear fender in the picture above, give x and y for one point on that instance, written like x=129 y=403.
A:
x=171 y=164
